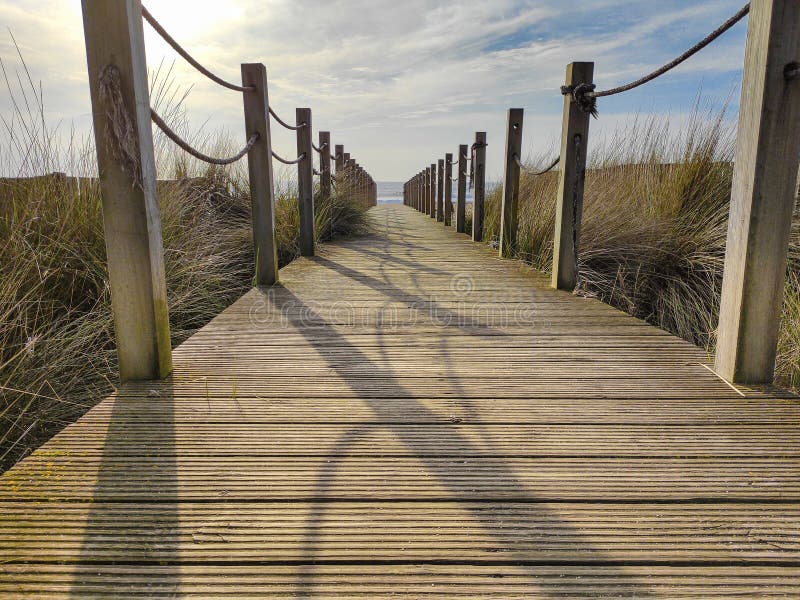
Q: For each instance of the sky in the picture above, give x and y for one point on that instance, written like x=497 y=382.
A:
x=399 y=83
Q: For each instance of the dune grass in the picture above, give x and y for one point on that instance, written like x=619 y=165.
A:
x=57 y=356
x=654 y=228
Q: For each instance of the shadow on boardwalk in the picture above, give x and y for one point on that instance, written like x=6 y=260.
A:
x=416 y=441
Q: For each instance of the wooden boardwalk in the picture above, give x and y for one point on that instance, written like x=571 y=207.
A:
x=410 y=415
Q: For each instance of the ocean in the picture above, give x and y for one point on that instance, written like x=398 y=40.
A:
x=391 y=192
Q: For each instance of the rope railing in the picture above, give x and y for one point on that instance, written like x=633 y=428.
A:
x=285 y=161
x=188 y=57
x=284 y=123
x=124 y=138
x=319 y=149
x=585 y=96
x=549 y=168
x=196 y=153
x=763 y=185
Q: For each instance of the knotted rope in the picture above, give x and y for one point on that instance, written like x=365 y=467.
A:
x=120 y=131
x=585 y=96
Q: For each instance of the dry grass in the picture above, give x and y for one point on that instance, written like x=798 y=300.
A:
x=654 y=228
x=57 y=355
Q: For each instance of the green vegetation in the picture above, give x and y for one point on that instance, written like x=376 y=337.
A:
x=654 y=228
x=57 y=355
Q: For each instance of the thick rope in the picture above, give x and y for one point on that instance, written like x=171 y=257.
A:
x=319 y=149
x=123 y=140
x=196 y=153
x=284 y=123
x=288 y=162
x=550 y=168
x=585 y=96
x=189 y=58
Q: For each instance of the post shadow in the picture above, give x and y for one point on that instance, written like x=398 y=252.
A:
x=416 y=441
x=134 y=447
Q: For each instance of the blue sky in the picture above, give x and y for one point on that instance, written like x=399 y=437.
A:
x=401 y=83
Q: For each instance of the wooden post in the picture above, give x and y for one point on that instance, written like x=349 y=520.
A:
x=305 y=181
x=131 y=218
x=325 y=166
x=426 y=191
x=339 y=158
x=432 y=201
x=461 y=201
x=259 y=160
x=448 y=188
x=420 y=190
x=569 y=202
x=763 y=195
x=417 y=191
x=508 y=221
x=479 y=184
x=440 y=191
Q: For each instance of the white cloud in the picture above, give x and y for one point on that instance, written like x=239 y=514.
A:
x=399 y=83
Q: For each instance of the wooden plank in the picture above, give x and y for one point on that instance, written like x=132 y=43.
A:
x=89 y=439
x=379 y=581
x=149 y=407
x=763 y=195
x=132 y=222
x=225 y=533
x=338 y=477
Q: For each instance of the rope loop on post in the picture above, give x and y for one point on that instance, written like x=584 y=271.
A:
x=288 y=162
x=196 y=153
x=549 y=168
x=284 y=123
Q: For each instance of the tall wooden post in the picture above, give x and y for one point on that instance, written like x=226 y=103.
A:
x=569 y=202
x=479 y=184
x=420 y=186
x=509 y=215
x=763 y=194
x=432 y=201
x=426 y=191
x=461 y=201
x=339 y=158
x=305 y=181
x=325 y=166
x=440 y=191
x=116 y=55
x=448 y=188
x=259 y=161
x=420 y=190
